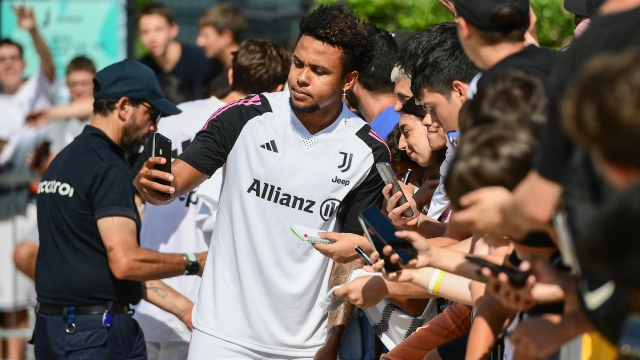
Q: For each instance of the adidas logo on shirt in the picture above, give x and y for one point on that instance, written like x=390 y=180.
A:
x=271 y=146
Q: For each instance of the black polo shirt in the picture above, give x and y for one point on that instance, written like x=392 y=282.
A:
x=87 y=180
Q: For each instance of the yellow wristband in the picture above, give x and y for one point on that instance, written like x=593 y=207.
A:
x=436 y=287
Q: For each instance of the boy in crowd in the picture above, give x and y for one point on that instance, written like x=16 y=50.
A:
x=492 y=34
x=258 y=65
x=372 y=94
x=221 y=29
x=158 y=31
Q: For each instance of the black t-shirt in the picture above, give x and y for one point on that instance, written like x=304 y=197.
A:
x=614 y=32
x=87 y=180
x=193 y=68
x=532 y=60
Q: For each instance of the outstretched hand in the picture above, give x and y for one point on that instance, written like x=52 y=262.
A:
x=342 y=250
x=26 y=19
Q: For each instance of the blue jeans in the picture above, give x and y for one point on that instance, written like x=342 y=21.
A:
x=124 y=340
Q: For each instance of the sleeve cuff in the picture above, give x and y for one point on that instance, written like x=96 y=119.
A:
x=116 y=211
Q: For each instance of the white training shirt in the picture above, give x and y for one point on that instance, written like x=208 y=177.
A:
x=262 y=286
x=172 y=228
x=440 y=200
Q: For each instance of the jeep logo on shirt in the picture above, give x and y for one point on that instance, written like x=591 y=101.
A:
x=272 y=193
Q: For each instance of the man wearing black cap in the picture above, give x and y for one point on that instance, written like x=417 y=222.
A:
x=90 y=265
x=492 y=33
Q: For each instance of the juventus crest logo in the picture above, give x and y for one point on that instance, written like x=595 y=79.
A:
x=346 y=161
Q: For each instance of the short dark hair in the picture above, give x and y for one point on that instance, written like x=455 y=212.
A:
x=337 y=26
x=157 y=9
x=600 y=110
x=225 y=17
x=411 y=108
x=81 y=63
x=418 y=45
x=259 y=65
x=490 y=155
x=514 y=97
x=376 y=76
x=9 y=42
x=104 y=107
x=442 y=64
x=512 y=23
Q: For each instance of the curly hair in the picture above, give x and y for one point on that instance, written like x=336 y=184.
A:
x=337 y=26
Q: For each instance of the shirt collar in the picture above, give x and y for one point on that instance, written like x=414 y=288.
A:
x=119 y=150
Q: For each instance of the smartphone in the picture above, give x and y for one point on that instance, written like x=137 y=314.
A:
x=363 y=255
x=517 y=278
x=162 y=148
x=453 y=137
x=629 y=343
x=381 y=232
x=385 y=171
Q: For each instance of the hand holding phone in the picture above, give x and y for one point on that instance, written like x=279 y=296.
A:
x=162 y=148
x=516 y=277
x=380 y=233
x=385 y=171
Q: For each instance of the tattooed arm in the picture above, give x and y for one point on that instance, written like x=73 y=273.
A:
x=339 y=318
x=169 y=300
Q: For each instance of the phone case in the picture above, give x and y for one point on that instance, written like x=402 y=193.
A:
x=384 y=169
x=309 y=235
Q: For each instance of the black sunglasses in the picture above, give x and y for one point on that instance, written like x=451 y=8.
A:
x=154 y=113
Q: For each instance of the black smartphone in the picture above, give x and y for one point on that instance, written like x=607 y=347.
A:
x=629 y=343
x=363 y=255
x=162 y=148
x=386 y=173
x=517 y=278
x=381 y=232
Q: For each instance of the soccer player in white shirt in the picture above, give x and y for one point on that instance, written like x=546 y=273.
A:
x=260 y=65
x=289 y=158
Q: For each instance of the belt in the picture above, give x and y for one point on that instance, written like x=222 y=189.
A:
x=116 y=308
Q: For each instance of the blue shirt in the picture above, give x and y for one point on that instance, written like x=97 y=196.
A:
x=384 y=123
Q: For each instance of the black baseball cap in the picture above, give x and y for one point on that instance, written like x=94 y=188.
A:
x=481 y=14
x=133 y=80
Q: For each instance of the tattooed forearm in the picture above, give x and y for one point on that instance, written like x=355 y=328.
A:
x=162 y=293
x=339 y=318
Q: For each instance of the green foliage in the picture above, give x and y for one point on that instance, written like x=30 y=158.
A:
x=554 y=23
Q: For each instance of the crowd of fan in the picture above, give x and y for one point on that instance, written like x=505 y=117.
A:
x=524 y=157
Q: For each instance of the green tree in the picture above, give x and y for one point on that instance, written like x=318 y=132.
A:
x=554 y=23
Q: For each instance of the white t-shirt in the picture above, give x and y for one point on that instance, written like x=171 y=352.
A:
x=262 y=286
x=172 y=228
x=440 y=200
x=36 y=93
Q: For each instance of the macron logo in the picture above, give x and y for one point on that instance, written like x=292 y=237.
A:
x=52 y=187
x=271 y=146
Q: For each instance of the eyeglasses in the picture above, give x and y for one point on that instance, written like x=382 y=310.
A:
x=453 y=137
x=154 y=114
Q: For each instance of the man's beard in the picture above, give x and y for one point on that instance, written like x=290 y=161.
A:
x=131 y=139
x=309 y=109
